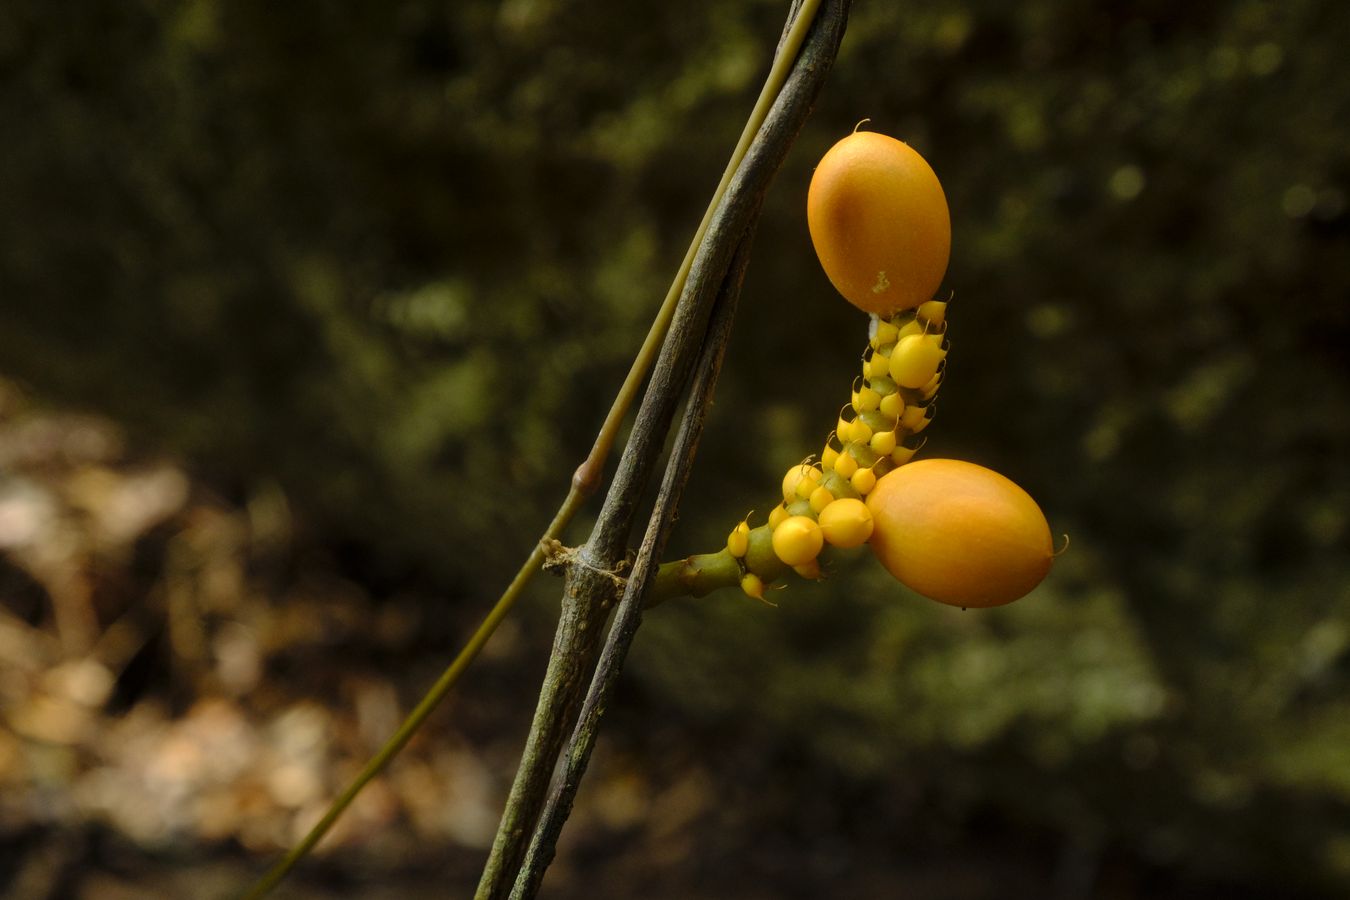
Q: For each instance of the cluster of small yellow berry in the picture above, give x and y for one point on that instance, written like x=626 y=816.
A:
x=953 y=531
x=823 y=499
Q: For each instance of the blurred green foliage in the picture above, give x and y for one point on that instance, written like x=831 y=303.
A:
x=391 y=257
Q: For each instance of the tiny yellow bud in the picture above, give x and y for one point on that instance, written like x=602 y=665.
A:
x=878 y=366
x=863 y=481
x=821 y=498
x=915 y=419
x=828 y=456
x=866 y=400
x=932 y=386
x=753 y=585
x=810 y=571
x=798 y=478
x=883 y=442
x=845 y=465
x=738 y=542
x=902 y=454
x=934 y=312
x=913 y=326
x=778 y=515
x=892 y=405
x=846 y=523
x=887 y=333
x=860 y=431
x=915 y=359
x=797 y=541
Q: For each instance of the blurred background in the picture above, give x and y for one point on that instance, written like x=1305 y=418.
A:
x=307 y=311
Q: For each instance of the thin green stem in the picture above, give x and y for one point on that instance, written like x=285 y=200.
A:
x=584 y=482
x=586 y=598
x=587 y=476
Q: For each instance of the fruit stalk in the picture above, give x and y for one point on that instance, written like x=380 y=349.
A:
x=891 y=403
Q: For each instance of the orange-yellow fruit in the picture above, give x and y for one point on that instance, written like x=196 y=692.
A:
x=959 y=533
x=879 y=222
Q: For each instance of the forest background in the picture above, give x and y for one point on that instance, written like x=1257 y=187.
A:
x=305 y=311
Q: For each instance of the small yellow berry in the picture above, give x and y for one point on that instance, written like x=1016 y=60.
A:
x=860 y=431
x=739 y=540
x=878 y=366
x=902 y=454
x=934 y=312
x=821 y=498
x=846 y=523
x=887 y=333
x=845 y=465
x=828 y=457
x=863 y=481
x=915 y=359
x=913 y=326
x=753 y=585
x=797 y=540
x=932 y=386
x=892 y=405
x=778 y=515
x=915 y=419
x=866 y=400
x=799 y=482
x=795 y=476
x=883 y=442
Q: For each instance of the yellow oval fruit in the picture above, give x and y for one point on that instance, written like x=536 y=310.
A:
x=879 y=223
x=959 y=533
